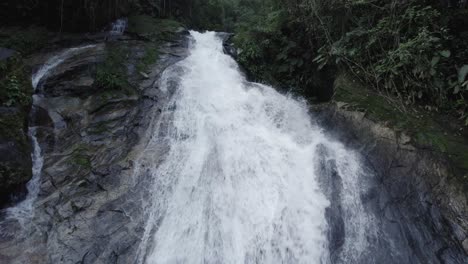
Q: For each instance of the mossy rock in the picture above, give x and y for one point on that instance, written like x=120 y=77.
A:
x=81 y=156
x=428 y=130
x=150 y=57
x=112 y=74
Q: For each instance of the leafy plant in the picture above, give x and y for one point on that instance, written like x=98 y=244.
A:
x=15 y=86
x=408 y=50
x=150 y=57
x=111 y=74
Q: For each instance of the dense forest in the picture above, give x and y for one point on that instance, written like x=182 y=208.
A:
x=412 y=51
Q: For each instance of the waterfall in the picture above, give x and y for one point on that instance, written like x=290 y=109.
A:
x=55 y=61
x=246 y=175
x=118 y=27
x=24 y=210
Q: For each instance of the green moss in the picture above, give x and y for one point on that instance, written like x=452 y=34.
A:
x=100 y=128
x=81 y=156
x=428 y=130
x=150 y=57
x=112 y=74
x=82 y=161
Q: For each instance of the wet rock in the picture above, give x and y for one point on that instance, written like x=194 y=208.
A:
x=331 y=183
x=228 y=45
x=416 y=202
x=90 y=207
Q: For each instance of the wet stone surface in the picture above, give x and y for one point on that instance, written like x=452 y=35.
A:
x=89 y=208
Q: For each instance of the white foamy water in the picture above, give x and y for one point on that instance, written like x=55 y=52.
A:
x=24 y=210
x=118 y=27
x=240 y=182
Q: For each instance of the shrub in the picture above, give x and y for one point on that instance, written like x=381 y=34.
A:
x=111 y=74
x=15 y=86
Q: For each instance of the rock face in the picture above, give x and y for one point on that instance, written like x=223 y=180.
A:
x=89 y=208
x=415 y=190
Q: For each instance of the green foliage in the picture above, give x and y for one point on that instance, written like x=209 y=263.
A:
x=15 y=86
x=11 y=125
x=404 y=51
x=152 y=28
x=429 y=130
x=81 y=156
x=394 y=57
x=150 y=57
x=24 y=40
x=216 y=15
x=269 y=48
x=15 y=92
x=409 y=50
x=111 y=74
x=110 y=79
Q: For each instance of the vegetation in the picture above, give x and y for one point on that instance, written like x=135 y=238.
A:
x=150 y=57
x=427 y=130
x=15 y=86
x=112 y=74
x=413 y=52
x=88 y=15
x=24 y=40
x=152 y=28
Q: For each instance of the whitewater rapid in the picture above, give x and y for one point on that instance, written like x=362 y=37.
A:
x=241 y=182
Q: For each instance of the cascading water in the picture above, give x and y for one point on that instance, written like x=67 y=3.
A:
x=118 y=27
x=24 y=210
x=233 y=172
x=54 y=62
x=244 y=178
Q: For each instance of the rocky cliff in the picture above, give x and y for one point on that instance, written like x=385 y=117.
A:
x=91 y=112
x=417 y=187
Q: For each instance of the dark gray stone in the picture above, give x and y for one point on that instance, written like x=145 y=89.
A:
x=421 y=214
x=90 y=207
